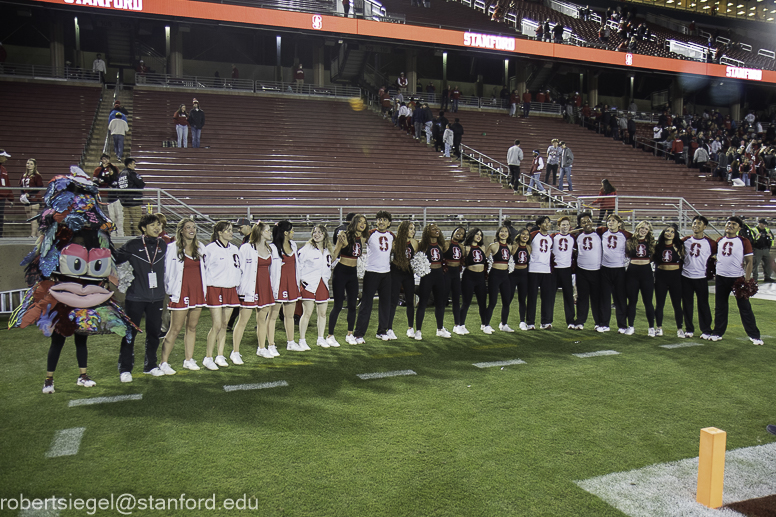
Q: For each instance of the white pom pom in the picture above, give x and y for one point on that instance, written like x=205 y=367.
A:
x=420 y=264
x=490 y=263
x=361 y=266
x=126 y=276
x=511 y=263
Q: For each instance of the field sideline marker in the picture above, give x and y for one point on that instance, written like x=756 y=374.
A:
x=596 y=354
x=261 y=386
x=104 y=400
x=66 y=442
x=382 y=375
x=499 y=363
x=680 y=345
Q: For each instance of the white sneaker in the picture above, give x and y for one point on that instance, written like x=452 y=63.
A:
x=522 y=326
x=464 y=329
x=572 y=326
x=651 y=332
x=410 y=332
x=167 y=369
x=86 y=382
x=457 y=330
x=209 y=364
x=530 y=327
x=504 y=328
x=48 y=386
x=383 y=337
x=443 y=332
x=190 y=364
x=303 y=345
x=156 y=372
x=350 y=339
x=622 y=331
x=579 y=327
x=755 y=340
x=630 y=331
x=391 y=335
x=265 y=353
x=418 y=336
x=236 y=358
x=273 y=349
x=680 y=334
x=331 y=341
x=688 y=334
x=126 y=377
x=293 y=346
x=715 y=337
x=221 y=361
x=546 y=326
x=360 y=341
x=487 y=329
x=659 y=332
x=706 y=337
x=321 y=342
x=603 y=329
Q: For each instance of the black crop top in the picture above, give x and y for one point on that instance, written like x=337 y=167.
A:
x=522 y=257
x=434 y=253
x=454 y=253
x=502 y=255
x=641 y=251
x=410 y=251
x=352 y=250
x=475 y=256
x=666 y=255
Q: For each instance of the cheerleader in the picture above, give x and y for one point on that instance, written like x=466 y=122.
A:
x=222 y=276
x=345 y=276
x=184 y=274
x=669 y=255
x=260 y=275
x=287 y=293
x=473 y=281
x=588 y=272
x=540 y=276
x=613 y=273
x=562 y=251
x=519 y=277
x=498 y=278
x=314 y=275
x=432 y=243
x=639 y=248
x=453 y=257
x=404 y=248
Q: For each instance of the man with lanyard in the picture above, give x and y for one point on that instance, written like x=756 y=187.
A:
x=377 y=279
x=734 y=261
x=763 y=240
x=540 y=276
x=698 y=252
x=145 y=295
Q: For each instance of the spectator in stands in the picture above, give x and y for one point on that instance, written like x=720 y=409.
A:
x=605 y=201
x=403 y=84
x=631 y=131
x=6 y=196
x=535 y=186
x=558 y=32
x=448 y=138
x=455 y=94
x=31 y=199
x=181 y=118
x=632 y=44
x=540 y=32
x=553 y=157
x=419 y=120
x=677 y=149
x=107 y=176
x=513 y=99
x=603 y=34
x=763 y=240
x=584 y=13
x=118 y=108
x=140 y=72
x=445 y=98
x=235 y=73
x=514 y=157
x=526 y=103
x=540 y=97
x=131 y=202
x=566 y=162
x=547 y=31
x=457 y=135
x=403 y=112
x=701 y=157
x=438 y=128
x=299 y=78
x=430 y=92
x=196 y=122
x=98 y=65
x=118 y=128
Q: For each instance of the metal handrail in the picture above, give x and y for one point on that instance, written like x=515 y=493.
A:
x=82 y=160
x=66 y=73
x=249 y=85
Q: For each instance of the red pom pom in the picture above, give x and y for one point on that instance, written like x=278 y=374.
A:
x=744 y=289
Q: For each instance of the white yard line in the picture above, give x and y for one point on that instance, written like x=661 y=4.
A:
x=381 y=375
x=66 y=442
x=681 y=345
x=261 y=386
x=104 y=400
x=596 y=354
x=499 y=363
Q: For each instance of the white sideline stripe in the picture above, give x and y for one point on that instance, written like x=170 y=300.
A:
x=381 y=375
x=104 y=400
x=261 y=386
x=596 y=354
x=499 y=363
x=668 y=489
x=66 y=442
x=681 y=345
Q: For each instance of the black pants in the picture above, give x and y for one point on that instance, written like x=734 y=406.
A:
x=546 y=283
x=563 y=280
x=518 y=280
x=474 y=284
x=344 y=282
x=613 y=289
x=668 y=282
x=57 y=342
x=514 y=176
x=498 y=282
x=724 y=286
x=551 y=169
x=402 y=279
x=639 y=277
x=379 y=283
x=588 y=295
x=692 y=288
x=454 y=278
x=153 y=329
x=435 y=282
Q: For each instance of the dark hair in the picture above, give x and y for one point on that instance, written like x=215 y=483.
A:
x=146 y=220
x=384 y=214
x=456 y=229
x=509 y=236
x=676 y=243
x=517 y=142
x=607 y=187
x=400 y=244
x=507 y=222
x=350 y=216
x=256 y=232
x=105 y=155
x=580 y=215
x=701 y=219
x=278 y=233
x=219 y=227
x=736 y=220
x=541 y=219
x=351 y=231
x=469 y=240
x=127 y=161
x=425 y=240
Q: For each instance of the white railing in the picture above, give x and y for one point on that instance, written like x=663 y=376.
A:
x=66 y=73
x=528 y=28
x=725 y=60
x=766 y=53
x=723 y=40
x=690 y=50
x=746 y=47
x=210 y=83
x=562 y=7
x=9 y=300
x=373 y=10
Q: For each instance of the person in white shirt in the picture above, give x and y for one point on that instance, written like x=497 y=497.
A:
x=314 y=275
x=448 y=139
x=540 y=276
x=118 y=128
x=698 y=252
x=613 y=240
x=735 y=260
x=98 y=65
x=377 y=279
x=562 y=251
x=588 y=253
x=514 y=157
x=287 y=293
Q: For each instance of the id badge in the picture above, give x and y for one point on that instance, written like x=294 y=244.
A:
x=152 y=280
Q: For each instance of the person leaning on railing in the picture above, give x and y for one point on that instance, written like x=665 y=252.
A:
x=31 y=198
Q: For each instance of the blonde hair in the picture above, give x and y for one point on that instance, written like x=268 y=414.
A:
x=182 y=243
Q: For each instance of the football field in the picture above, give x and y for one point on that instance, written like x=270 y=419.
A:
x=475 y=425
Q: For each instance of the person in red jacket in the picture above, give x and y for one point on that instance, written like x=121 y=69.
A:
x=181 y=118
x=526 y=103
x=606 y=201
x=6 y=196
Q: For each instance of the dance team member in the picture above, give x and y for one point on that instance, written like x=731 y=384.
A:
x=613 y=240
x=259 y=281
x=404 y=248
x=640 y=248
x=222 y=276
x=699 y=251
x=314 y=275
x=345 y=276
x=432 y=243
x=184 y=281
x=453 y=258
x=377 y=279
x=669 y=254
x=498 y=279
x=473 y=281
x=284 y=250
x=519 y=277
x=562 y=253
x=540 y=276
x=587 y=248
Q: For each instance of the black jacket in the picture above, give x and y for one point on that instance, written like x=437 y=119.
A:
x=197 y=118
x=130 y=179
x=134 y=252
x=457 y=132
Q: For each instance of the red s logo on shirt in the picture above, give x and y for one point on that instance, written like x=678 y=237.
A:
x=611 y=242
x=727 y=249
x=587 y=244
x=695 y=249
x=383 y=242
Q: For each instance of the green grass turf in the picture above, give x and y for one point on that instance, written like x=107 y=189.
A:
x=454 y=440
